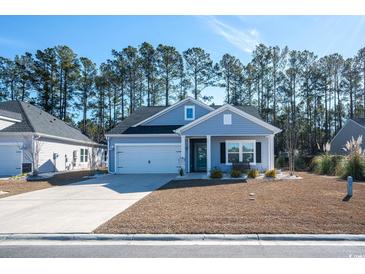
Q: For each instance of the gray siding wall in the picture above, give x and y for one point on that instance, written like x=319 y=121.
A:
x=139 y=140
x=349 y=130
x=216 y=152
x=177 y=115
x=214 y=126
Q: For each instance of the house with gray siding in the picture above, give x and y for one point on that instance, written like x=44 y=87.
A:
x=353 y=128
x=190 y=135
x=33 y=140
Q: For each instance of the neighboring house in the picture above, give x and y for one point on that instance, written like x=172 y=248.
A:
x=190 y=135
x=30 y=138
x=353 y=128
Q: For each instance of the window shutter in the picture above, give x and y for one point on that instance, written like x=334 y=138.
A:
x=223 y=153
x=258 y=152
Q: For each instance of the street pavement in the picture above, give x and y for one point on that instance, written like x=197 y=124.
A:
x=181 y=249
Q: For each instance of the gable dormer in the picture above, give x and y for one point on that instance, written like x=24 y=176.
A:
x=181 y=113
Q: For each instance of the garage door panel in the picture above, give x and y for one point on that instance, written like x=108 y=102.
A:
x=148 y=158
x=10 y=160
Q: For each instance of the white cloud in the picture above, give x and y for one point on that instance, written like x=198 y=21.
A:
x=245 y=40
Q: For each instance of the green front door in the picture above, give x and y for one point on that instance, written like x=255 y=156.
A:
x=200 y=157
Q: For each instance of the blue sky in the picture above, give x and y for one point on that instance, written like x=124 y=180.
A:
x=95 y=36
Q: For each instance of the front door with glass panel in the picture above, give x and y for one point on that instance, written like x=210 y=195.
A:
x=200 y=157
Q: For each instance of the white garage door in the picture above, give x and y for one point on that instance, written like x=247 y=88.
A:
x=10 y=160
x=148 y=158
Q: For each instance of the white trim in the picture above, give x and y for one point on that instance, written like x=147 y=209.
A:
x=11 y=144
x=52 y=137
x=233 y=109
x=182 y=153
x=240 y=152
x=185 y=109
x=158 y=114
x=9 y=119
x=229 y=135
x=108 y=153
x=143 y=135
x=146 y=144
x=188 y=167
x=209 y=154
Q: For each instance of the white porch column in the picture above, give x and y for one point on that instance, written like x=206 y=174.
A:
x=209 y=157
x=182 y=155
x=271 y=159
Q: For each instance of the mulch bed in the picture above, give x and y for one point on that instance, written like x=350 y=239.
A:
x=311 y=205
x=14 y=187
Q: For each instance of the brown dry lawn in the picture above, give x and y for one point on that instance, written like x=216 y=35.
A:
x=14 y=187
x=311 y=205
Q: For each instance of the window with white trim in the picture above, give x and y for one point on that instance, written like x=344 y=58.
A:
x=241 y=151
x=84 y=155
x=227 y=119
x=189 y=113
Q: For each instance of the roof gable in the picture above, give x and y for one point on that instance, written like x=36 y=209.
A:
x=167 y=110
x=250 y=119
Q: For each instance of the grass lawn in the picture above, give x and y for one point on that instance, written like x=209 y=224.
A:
x=311 y=205
x=14 y=187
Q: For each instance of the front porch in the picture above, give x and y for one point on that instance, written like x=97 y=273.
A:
x=202 y=153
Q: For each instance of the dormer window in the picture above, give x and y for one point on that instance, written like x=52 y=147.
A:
x=189 y=113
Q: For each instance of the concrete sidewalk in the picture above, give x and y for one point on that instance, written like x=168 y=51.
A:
x=76 y=208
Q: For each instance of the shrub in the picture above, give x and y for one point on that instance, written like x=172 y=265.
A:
x=181 y=171
x=355 y=162
x=300 y=164
x=280 y=162
x=270 y=173
x=253 y=173
x=216 y=173
x=235 y=173
x=324 y=165
x=354 y=166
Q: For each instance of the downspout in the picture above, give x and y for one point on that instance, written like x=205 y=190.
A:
x=34 y=148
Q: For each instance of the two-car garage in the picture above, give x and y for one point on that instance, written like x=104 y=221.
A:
x=147 y=158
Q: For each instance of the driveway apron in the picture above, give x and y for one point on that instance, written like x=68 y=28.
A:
x=76 y=208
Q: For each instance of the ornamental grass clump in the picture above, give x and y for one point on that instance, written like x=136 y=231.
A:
x=355 y=161
x=253 y=173
x=235 y=173
x=216 y=173
x=270 y=173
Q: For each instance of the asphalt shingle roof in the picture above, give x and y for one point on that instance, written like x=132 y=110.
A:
x=10 y=114
x=360 y=121
x=33 y=119
x=137 y=116
x=152 y=129
x=142 y=113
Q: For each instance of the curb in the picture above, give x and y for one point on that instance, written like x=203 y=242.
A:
x=183 y=237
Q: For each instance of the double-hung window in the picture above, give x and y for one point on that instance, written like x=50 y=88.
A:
x=241 y=151
x=84 y=155
x=189 y=113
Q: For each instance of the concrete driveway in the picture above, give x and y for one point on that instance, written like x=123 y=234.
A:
x=76 y=208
